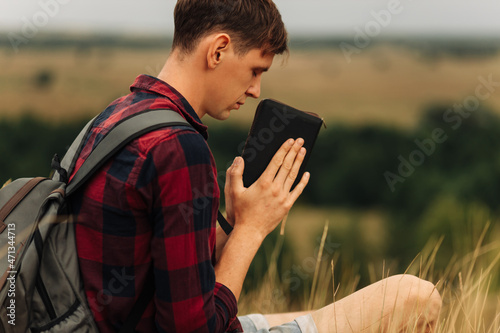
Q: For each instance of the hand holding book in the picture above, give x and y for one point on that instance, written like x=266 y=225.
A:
x=258 y=209
x=274 y=124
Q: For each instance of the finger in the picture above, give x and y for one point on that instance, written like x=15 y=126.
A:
x=294 y=172
x=277 y=161
x=227 y=185
x=297 y=191
x=288 y=163
x=234 y=174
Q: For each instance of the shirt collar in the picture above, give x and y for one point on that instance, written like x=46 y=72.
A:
x=159 y=87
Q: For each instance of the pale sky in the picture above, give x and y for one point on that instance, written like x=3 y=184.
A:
x=302 y=17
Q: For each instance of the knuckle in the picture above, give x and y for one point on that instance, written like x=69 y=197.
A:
x=264 y=183
x=297 y=147
x=299 y=159
x=287 y=205
x=275 y=191
x=297 y=191
x=278 y=161
x=232 y=172
x=287 y=166
x=299 y=188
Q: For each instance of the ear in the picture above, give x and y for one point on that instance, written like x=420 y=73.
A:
x=217 y=50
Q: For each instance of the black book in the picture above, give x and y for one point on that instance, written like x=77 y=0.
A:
x=273 y=124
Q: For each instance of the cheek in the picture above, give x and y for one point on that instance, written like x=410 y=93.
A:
x=241 y=77
x=244 y=83
x=231 y=86
x=237 y=86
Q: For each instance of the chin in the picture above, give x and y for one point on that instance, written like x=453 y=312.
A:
x=224 y=115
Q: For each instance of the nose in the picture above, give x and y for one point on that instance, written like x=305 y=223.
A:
x=254 y=89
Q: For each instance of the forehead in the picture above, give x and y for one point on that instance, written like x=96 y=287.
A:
x=259 y=58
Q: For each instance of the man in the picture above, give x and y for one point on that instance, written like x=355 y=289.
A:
x=155 y=203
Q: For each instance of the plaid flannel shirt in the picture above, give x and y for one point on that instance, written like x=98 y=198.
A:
x=154 y=204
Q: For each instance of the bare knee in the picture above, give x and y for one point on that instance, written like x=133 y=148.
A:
x=393 y=304
x=421 y=291
x=419 y=296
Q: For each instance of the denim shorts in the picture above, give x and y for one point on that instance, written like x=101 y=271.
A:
x=257 y=323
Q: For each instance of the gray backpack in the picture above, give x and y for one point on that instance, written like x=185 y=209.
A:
x=40 y=285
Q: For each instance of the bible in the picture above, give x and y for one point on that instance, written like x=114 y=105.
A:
x=273 y=124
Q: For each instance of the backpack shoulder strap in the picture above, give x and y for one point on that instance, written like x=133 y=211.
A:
x=123 y=133
x=65 y=167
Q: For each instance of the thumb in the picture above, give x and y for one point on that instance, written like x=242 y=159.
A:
x=235 y=172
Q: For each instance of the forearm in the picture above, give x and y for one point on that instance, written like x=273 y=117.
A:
x=221 y=240
x=236 y=257
x=257 y=210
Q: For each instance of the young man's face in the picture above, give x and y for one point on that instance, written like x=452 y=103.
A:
x=236 y=78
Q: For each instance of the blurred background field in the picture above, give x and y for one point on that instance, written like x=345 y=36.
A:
x=389 y=83
x=375 y=106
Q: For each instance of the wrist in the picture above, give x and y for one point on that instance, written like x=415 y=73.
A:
x=249 y=231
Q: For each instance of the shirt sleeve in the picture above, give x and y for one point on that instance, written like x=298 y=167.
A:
x=179 y=173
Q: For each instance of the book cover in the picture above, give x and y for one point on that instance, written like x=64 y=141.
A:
x=273 y=124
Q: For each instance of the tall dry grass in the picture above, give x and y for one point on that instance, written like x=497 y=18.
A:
x=469 y=286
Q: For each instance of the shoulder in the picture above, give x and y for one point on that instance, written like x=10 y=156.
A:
x=173 y=145
x=174 y=156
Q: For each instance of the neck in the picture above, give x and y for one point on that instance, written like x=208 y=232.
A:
x=183 y=73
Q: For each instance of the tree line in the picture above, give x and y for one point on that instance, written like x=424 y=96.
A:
x=429 y=179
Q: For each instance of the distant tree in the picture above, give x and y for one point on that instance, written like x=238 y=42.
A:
x=44 y=79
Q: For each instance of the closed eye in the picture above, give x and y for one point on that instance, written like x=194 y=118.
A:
x=259 y=70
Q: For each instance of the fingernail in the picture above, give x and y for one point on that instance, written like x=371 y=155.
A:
x=237 y=161
x=290 y=142
x=300 y=141
x=302 y=151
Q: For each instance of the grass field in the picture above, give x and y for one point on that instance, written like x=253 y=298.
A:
x=383 y=84
x=468 y=287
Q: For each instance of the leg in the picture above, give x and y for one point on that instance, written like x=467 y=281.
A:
x=391 y=305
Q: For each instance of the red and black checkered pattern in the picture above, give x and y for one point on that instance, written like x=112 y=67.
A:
x=153 y=204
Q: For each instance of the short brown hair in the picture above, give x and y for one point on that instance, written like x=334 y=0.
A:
x=250 y=23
